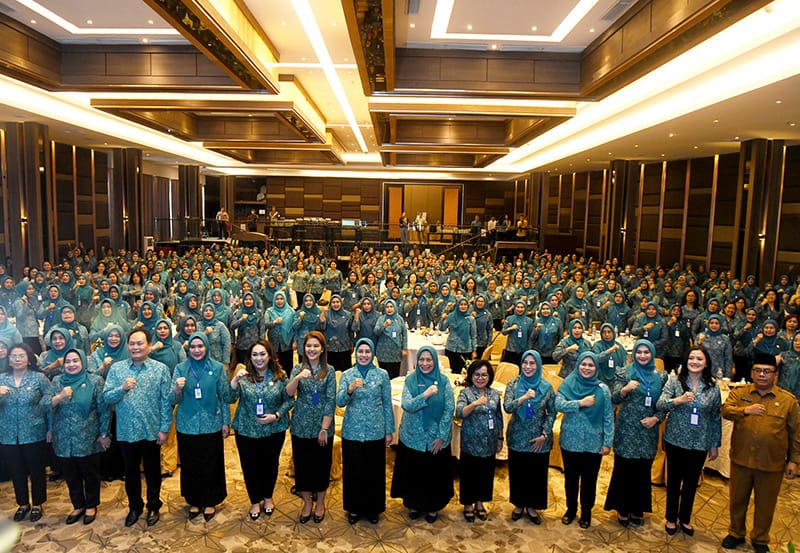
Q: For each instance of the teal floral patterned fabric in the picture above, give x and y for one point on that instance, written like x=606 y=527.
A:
x=369 y=414
x=145 y=410
x=23 y=411
x=273 y=394
x=521 y=429
x=307 y=417
x=75 y=433
x=679 y=431
x=478 y=436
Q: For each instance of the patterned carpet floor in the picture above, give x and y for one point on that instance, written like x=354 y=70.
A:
x=231 y=529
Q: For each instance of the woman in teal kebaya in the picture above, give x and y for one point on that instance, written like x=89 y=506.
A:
x=261 y=420
x=530 y=400
x=367 y=430
x=202 y=420
x=423 y=474
x=313 y=385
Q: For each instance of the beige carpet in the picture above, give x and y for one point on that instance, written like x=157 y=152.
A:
x=232 y=530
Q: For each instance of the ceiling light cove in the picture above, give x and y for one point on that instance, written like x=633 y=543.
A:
x=75 y=30
x=444 y=11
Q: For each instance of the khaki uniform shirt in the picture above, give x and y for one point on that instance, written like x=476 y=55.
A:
x=763 y=442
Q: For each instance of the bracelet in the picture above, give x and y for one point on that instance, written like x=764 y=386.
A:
x=323 y=430
x=277 y=416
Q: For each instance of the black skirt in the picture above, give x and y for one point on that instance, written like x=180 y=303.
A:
x=312 y=464
x=527 y=478
x=202 y=469
x=364 y=477
x=476 y=478
x=423 y=480
x=629 y=490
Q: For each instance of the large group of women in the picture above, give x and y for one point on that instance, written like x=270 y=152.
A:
x=227 y=323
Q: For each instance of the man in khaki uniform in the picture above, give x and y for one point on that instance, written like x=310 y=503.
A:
x=764 y=444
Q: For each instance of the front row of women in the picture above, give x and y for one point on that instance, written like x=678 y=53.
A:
x=422 y=472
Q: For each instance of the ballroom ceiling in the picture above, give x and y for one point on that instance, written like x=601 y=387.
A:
x=438 y=88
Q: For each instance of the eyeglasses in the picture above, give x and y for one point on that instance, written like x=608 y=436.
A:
x=763 y=371
x=480 y=375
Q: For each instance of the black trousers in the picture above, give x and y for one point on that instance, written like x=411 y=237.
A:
x=683 y=474
x=629 y=490
x=457 y=360
x=286 y=359
x=580 y=474
x=147 y=454
x=83 y=480
x=392 y=368
x=259 y=458
x=27 y=461
x=340 y=360
x=512 y=357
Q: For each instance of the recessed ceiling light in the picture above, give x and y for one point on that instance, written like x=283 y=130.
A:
x=89 y=21
x=413 y=25
x=591 y=30
x=635 y=145
x=150 y=22
x=283 y=23
x=696 y=147
x=534 y=28
x=469 y=27
x=609 y=153
x=671 y=134
x=33 y=21
x=145 y=40
x=791 y=123
x=494 y=47
x=663 y=155
x=302 y=59
x=588 y=159
x=333 y=23
x=736 y=138
x=715 y=121
x=346 y=59
x=778 y=102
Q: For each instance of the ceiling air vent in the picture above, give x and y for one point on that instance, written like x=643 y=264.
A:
x=413 y=7
x=615 y=11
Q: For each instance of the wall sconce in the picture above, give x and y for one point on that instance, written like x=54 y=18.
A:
x=762 y=236
x=24 y=220
x=623 y=230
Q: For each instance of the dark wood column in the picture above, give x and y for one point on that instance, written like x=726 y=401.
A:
x=125 y=200
x=621 y=220
x=761 y=174
x=190 y=215
x=29 y=234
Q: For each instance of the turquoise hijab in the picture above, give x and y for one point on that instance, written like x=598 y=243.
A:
x=82 y=392
x=417 y=382
x=576 y=387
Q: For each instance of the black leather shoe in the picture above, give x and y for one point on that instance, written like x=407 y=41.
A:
x=305 y=518
x=624 y=522
x=567 y=518
x=761 y=548
x=209 y=516
x=352 y=518
x=585 y=523
x=469 y=515
x=268 y=511
x=191 y=515
x=254 y=516
x=732 y=542
x=88 y=519
x=414 y=515
x=72 y=519
x=637 y=520
x=373 y=519
x=533 y=516
x=516 y=515
x=36 y=514
x=132 y=517
x=688 y=530
x=319 y=518
x=152 y=518
x=431 y=517
x=21 y=513
x=671 y=531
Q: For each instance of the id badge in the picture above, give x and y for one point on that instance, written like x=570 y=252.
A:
x=529 y=412
x=646 y=334
x=198 y=392
x=259 y=408
x=491 y=422
x=648 y=400
x=610 y=362
x=394 y=334
x=519 y=334
x=677 y=333
x=315 y=397
x=694 y=418
x=419 y=312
